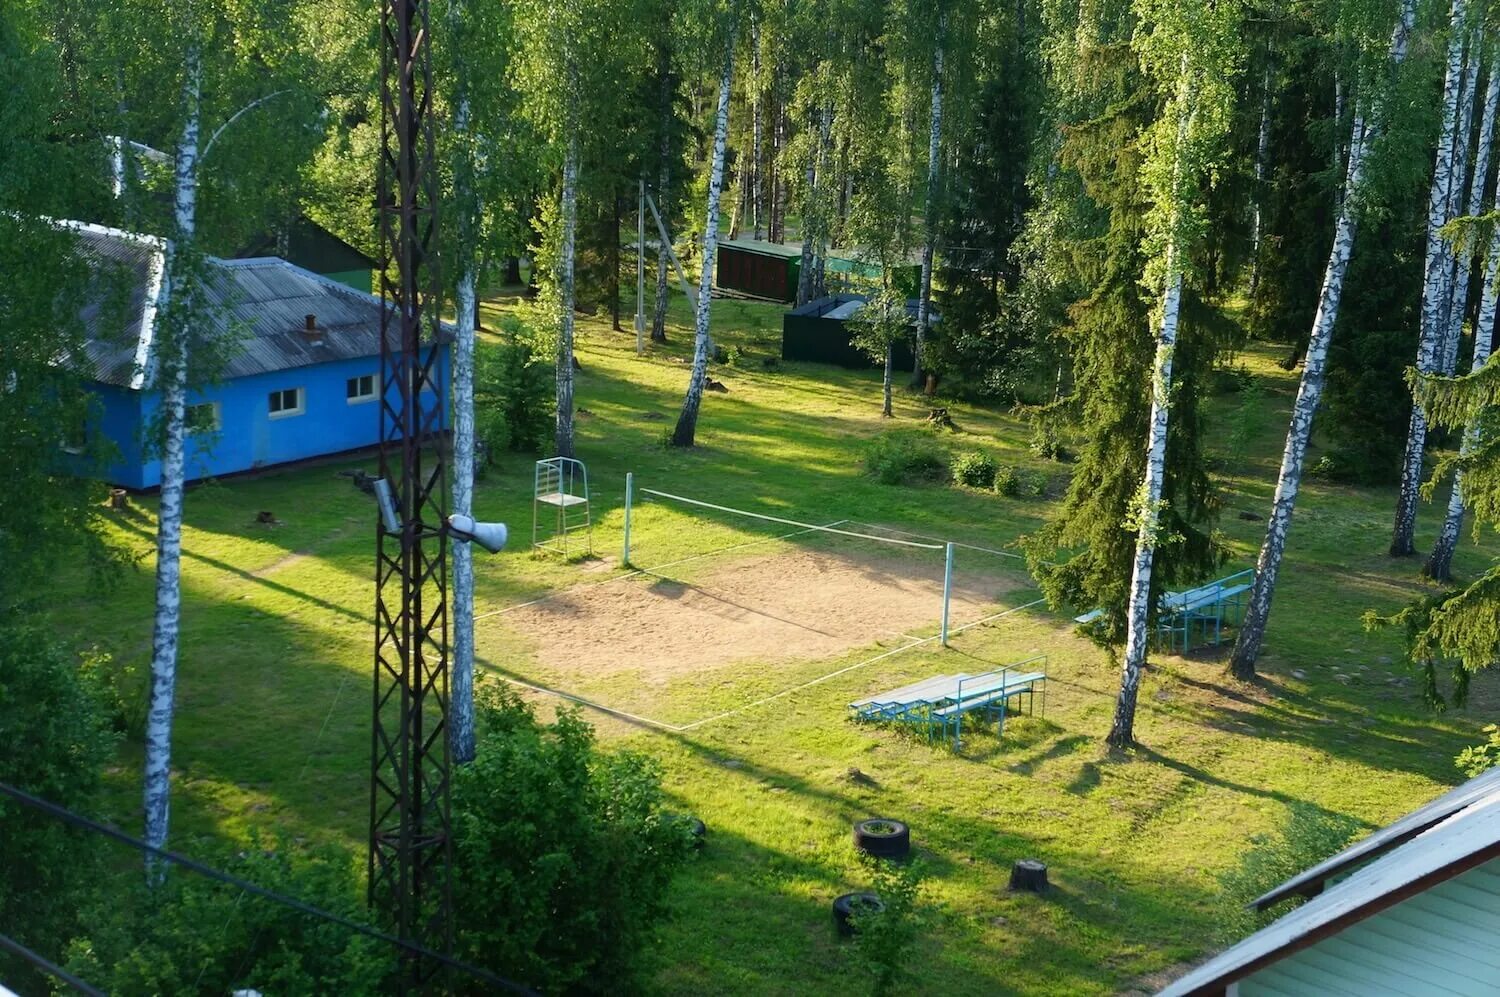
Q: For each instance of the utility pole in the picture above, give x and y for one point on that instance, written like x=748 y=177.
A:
x=410 y=844
x=640 y=269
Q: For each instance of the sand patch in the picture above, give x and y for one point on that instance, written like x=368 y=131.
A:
x=792 y=606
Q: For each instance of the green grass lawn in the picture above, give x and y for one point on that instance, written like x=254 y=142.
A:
x=272 y=728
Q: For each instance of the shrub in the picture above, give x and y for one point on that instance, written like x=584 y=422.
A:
x=736 y=356
x=1017 y=482
x=1481 y=757
x=975 y=468
x=903 y=455
x=514 y=396
x=55 y=729
x=195 y=935
x=883 y=938
x=564 y=851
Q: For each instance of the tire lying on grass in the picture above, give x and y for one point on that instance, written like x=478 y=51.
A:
x=883 y=838
x=696 y=827
x=851 y=904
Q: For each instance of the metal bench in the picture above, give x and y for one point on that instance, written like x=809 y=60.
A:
x=1208 y=606
x=940 y=703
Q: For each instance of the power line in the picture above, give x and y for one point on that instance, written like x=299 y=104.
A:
x=78 y=820
x=48 y=966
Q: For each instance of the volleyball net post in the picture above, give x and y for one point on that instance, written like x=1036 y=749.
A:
x=947 y=587
x=629 y=489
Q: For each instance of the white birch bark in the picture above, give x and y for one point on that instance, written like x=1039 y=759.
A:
x=757 y=205
x=1340 y=167
x=461 y=704
x=172 y=370
x=1437 y=274
x=1262 y=157
x=1258 y=609
x=1458 y=292
x=1138 y=609
x=809 y=207
x=664 y=180
x=566 y=259
x=929 y=207
x=687 y=421
x=885 y=387
x=1440 y=562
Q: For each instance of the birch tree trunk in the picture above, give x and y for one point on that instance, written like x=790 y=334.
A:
x=566 y=258
x=885 y=408
x=929 y=207
x=461 y=707
x=1258 y=610
x=1458 y=292
x=664 y=180
x=172 y=370
x=1262 y=157
x=757 y=205
x=820 y=198
x=1439 y=564
x=687 y=421
x=1138 y=609
x=805 y=271
x=1438 y=272
x=1339 y=165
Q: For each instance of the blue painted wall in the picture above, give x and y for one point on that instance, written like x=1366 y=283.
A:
x=249 y=437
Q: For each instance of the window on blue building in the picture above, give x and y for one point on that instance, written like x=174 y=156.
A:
x=360 y=389
x=287 y=401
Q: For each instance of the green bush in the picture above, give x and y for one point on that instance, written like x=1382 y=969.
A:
x=905 y=455
x=515 y=400
x=975 y=468
x=564 y=850
x=883 y=938
x=1483 y=756
x=1017 y=482
x=191 y=934
x=55 y=729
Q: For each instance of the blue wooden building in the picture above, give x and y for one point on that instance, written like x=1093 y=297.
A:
x=295 y=361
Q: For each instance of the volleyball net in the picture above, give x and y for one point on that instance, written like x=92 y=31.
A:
x=842 y=573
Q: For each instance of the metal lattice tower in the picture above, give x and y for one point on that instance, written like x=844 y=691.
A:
x=410 y=845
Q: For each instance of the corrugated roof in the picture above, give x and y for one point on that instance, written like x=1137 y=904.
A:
x=1464 y=837
x=761 y=247
x=259 y=305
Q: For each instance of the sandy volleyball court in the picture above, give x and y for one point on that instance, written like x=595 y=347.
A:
x=789 y=606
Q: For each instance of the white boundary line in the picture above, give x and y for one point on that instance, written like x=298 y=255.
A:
x=651 y=570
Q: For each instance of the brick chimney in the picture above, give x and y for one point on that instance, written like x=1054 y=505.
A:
x=311 y=332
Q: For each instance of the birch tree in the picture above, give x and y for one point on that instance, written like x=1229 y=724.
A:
x=1440 y=562
x=1369 y=115
x=486 y=179
x=930 y=196
x=1436 y=282
x=1193 y=47
x=684 y=433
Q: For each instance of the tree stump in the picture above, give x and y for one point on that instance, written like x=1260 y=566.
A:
x=119 y=498
x=939 y=417
x=711 y=385
x=1028 y=875
x=267 y=518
